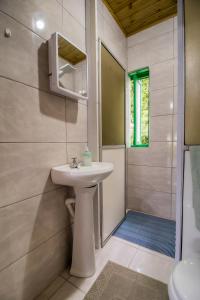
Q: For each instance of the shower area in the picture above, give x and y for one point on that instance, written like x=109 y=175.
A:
x=138 y=133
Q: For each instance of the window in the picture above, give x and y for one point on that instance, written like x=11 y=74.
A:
x=139 y=108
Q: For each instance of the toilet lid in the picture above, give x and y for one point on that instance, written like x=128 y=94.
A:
x=186 y=279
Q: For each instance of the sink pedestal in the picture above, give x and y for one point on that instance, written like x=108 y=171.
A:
x=83 y=253
x=85 y=181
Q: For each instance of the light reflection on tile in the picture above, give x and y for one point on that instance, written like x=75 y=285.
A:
x=152 y=265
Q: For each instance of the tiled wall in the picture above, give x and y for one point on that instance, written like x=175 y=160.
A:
x=38 y=130
x=111 y=35
x=106 y=29
x=151 y=171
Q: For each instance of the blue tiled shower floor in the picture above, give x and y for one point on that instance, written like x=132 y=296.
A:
x=148 y=231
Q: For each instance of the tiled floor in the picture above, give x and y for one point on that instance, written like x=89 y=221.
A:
x=132 y=256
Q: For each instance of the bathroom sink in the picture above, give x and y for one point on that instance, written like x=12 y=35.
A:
x=82 y=176
x=85 y=181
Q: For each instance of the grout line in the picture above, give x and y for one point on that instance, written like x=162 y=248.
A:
x=66 y=129
x=33 y=196
x=75 y=19
x=151 y=39
x=63 y=276
x=155 y=253
x=73 y=283
x=163 y=88
x=82 y=142
x=111 y=22
x=33 y=249
x=133 y=245
x=153 y=65
x=151 y=213
x=150 y=190
x=172 y=127
x=25 y=26
x=78 y=288
x=164 y=115
x=49 y=92
x=133 y=258
x=5 y=142
x=76 y=142
x=61 y=14
x=53 y=293
x=42 y=142
x=151 y=166
x=140 y=248
x=129 y=48
x=152 y=142
x=38 y=35
x=157 y=141
x=172 y=154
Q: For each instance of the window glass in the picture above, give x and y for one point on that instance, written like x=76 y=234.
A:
x=139 y=108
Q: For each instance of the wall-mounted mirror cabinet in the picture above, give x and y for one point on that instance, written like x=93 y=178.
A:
x=67 y=68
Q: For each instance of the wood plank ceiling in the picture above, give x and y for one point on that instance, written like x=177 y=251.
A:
x=136 y=15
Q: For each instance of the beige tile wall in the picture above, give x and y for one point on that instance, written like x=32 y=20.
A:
x=151 y=185
x=111 y=34
x=38 y=130
x=113 y=38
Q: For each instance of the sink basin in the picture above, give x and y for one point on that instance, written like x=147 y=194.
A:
x=83 y=176
x=84 y=180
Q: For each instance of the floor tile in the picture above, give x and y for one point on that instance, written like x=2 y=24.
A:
x=125 y=242
x=65 y=274
x=84 y=284
x=51 y=289
x=68 y=292
x=152 y=265
x=149 y=231
x=141 y=248
x=155 y=253
x=127 y=254
x=116 y=251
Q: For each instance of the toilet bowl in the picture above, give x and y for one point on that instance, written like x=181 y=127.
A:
x=184 y=282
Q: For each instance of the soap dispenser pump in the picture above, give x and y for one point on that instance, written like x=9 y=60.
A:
x=87 y=157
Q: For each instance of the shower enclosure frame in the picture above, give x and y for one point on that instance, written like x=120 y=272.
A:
x=180 y=131
x=102 y=43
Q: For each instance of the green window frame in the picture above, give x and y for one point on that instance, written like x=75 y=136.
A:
x=139 y=81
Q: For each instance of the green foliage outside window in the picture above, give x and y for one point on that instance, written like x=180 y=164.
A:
x=139 y=108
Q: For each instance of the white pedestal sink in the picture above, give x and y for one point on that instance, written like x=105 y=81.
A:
x=84 y=180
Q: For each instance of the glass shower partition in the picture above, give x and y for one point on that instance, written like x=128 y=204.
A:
x=112 y=143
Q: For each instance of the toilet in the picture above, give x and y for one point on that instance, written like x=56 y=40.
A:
x=184 y=282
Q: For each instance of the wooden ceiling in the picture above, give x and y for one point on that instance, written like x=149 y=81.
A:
x=136 y=15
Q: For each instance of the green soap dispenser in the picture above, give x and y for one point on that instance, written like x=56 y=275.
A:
x=87 y=157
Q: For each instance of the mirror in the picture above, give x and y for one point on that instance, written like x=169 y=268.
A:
x=68 y=68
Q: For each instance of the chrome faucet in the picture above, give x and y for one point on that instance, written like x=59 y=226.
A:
x=74 y=164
